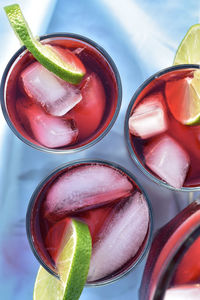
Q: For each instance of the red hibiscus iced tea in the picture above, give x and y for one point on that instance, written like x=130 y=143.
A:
x=163 y=136
x=49 y=113
x=172 y=271
x=108 y=200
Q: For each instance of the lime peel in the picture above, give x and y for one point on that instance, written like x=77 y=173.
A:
x=183 y=100
x=72 y=265
x=188 y=51
x=77 y=276
x=194 y=86
x=43 y=53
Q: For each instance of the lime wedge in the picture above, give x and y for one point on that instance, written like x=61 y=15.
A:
x=47 y=286
x=72 y=264
x=194 y=113
x=189 y=49
x=183 y=98
x=71 y=70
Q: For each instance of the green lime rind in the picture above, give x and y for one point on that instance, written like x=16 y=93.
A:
x=80 y=264
x=194 y=107
x=73 y=265
x=18 y=23
x=194 y=121
x=188 y=51
x=42 y=53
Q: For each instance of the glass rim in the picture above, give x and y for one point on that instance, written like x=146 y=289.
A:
x=71 y=164
x=126 y=127
x=113 y=67
x=167 y=274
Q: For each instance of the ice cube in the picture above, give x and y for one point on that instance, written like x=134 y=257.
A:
x=168 y=160
x=89 y=112
x=85 y=186
x=185 y=292
x=54 y=94
x=121 y=239
x=148 y=119
x=49 y=131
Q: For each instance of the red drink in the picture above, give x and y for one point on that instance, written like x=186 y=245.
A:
x=167 y=150
x=172 y=270
x=188 y=270
x=51 y=114
x=107 y=199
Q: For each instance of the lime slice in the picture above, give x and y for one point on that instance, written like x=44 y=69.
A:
x=71 y=71
x=183 y=98
x=47 y=286
x=72 y=264
x=189 y=49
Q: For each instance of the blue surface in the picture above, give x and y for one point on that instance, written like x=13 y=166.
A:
x=140 y=46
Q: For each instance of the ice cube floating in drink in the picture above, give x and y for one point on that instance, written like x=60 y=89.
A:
x=165 y=149
x=52 y=115
x=109 y=200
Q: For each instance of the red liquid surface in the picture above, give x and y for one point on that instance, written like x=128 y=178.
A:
x=90 y=115
x=188 y=271
x=48 y=235
x=164 y=246
x=188 y=137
